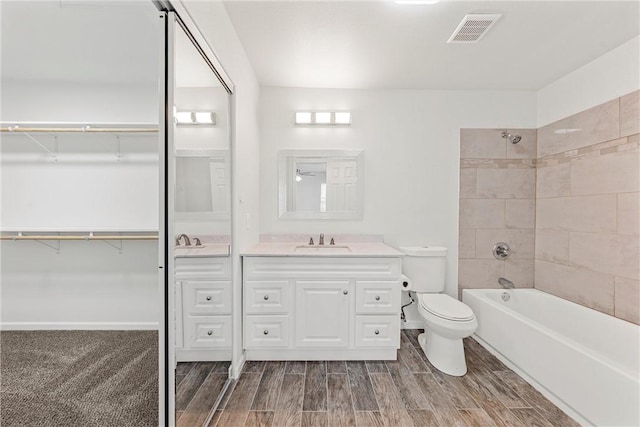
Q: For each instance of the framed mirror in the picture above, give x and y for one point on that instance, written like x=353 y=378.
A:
x=320 y=184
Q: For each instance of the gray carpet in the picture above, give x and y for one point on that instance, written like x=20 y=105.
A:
x=78 y=378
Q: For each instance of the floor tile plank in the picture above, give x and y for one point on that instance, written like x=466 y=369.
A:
x=269 y=388
x=295 y=367
x=336 y=367
x=315 y=387
x=216 y=417
x=361 y=389
x=191 y=383
x=455 y=389
x=376 y=367
x=369 y=419
x=531 y=417
x=410 y=356
x=339 y=402
x=237 y=408
x=259 y=419
x=199 y=407
x=423 y=418
x=406 y=383
x=254 y=366
x=392 y=407
x=477 y=418
x=450 y=418
x=492 y=362
x=437 y=398
x=315 y=419
x=289 y=407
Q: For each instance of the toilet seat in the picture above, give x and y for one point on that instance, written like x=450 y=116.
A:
x=445 y=307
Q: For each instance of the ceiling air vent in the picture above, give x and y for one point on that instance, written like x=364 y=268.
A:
x=473 y=27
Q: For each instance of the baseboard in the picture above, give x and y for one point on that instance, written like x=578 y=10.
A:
x=83 y=326
x=412 y=324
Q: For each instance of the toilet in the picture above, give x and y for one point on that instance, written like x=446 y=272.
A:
x=447 y=321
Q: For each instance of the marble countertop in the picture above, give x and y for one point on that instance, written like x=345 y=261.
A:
x=346 y=249
x=206 y=250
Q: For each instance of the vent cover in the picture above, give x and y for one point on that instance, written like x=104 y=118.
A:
x=473 y=27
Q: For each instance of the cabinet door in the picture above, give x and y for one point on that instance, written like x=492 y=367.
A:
x=322 y=313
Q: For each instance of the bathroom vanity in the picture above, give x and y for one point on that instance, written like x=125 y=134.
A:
x=203 y=303
x=310 y=302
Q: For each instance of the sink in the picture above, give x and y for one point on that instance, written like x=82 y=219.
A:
x=202 y=251
x=326 y=249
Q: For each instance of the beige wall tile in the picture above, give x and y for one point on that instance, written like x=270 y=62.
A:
x=588 y=288
x=606 y=253
x=468 y=183
x=630 y=114
x=597 y=124
x=482 y=144
x=612 y=173
x=479 y=273
x=506 y=183
x=477 y=213
x=520 y=272
x=520 y=213
x=552 y=246
x=627 y=299
x=467 y=243
x=582 y=213
x=553 y=181
x=520 y=241
x=526 y=148
x=629 y=213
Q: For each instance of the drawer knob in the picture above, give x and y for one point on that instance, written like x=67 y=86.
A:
x=377 y=297
x=266 y=297
x=377 y=332
x=266 y=332
x=208 y=297
x=209 y=332
x=345 y=292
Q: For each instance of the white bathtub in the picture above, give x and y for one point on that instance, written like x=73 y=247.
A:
x=579 y=357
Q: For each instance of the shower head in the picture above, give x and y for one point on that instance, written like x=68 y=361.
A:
x=514 y=139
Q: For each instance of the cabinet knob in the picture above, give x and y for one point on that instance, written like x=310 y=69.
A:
x=209 y=332
x=377 y=332
x=345 y=292
x=266 y=297
x=208 y=297
x=266 y=332
x=377 y=297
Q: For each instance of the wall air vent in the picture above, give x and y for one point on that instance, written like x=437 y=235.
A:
x=473 y=27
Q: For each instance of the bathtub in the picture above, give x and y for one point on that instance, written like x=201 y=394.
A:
x=584 y=361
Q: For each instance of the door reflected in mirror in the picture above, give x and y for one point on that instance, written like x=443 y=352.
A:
x=320 y=184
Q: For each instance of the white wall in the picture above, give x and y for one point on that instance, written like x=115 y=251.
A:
x=612 y=75
x=88 y=284
x=411 y=143
x=216 y=27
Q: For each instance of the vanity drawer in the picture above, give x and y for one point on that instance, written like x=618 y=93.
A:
x=266 y=331
x=206 y=297
x=266 y=297
x=207 y=331
x=377 y=297
x=377 y=331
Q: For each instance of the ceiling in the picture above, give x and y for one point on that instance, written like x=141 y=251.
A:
x=383 y=45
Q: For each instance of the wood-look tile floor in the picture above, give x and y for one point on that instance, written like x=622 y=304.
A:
x=406 y=392
x=198 y=385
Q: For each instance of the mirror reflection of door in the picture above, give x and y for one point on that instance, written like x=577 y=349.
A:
x=325 y=185
x=200 y=224
x=311 y=186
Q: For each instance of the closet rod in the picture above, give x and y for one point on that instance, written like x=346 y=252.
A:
x=85 y=237
x=84 y=129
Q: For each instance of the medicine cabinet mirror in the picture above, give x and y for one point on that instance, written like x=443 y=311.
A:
x=320 y=184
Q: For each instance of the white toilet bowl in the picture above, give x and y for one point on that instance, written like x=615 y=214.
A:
x=447 y=321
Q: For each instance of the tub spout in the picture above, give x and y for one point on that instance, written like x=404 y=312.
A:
x=506 y=283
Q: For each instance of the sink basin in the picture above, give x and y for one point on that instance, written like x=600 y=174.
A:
x=326 y=249
x=202 y=251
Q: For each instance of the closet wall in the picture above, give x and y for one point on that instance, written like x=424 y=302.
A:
x=90 y=182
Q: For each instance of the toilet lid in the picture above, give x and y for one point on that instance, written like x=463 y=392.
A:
x=444 y=306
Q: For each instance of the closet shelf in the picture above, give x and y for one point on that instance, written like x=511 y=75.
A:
x=69 y=127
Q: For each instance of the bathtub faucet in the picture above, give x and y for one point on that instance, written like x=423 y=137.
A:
x=506 y=283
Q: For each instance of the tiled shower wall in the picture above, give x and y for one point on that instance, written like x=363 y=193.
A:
x=497 y=204
x=567 y=197
x=587 y=214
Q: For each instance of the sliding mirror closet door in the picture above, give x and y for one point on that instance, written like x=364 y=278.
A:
x=79 y=177
x=199 y=230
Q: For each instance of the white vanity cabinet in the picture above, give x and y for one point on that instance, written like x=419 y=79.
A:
x=203 y=308
x=321 y=308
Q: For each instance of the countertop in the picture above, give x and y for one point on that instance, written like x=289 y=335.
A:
x=206 y=250
x=346 y=249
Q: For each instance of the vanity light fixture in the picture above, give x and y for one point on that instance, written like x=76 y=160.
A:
x=340 y=118
x=195 y=117
x=412 y=2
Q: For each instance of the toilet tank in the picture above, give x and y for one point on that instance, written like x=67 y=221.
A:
x=425 y=266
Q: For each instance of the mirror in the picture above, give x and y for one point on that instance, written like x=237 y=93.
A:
x=320 y=184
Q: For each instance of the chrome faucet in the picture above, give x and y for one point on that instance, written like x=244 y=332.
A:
x=505 y=283
x=321 y=242
x=187 y=242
